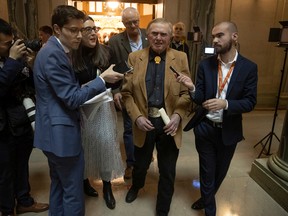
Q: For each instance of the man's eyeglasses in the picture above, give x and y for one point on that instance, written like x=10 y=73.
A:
x=88 y=30
x=129 y=23
x=73 y=30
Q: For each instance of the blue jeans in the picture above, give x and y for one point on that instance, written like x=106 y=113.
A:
x=128 y=138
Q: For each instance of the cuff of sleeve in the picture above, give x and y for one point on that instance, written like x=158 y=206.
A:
x=226 y=108
x=102 y=80
x=192 y=93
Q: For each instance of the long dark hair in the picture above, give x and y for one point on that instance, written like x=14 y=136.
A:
x=99 y=56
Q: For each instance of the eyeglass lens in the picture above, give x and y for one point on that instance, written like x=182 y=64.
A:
x=89 y=29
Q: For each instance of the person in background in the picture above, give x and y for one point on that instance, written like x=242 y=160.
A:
x=57 y=123
x=226 y=87
x=112 y=34
x=44 y=33
x=101 y=149
x=16 y=134
x=105 y=38
x=148 y=88
x=178 y=39
x=132 y=39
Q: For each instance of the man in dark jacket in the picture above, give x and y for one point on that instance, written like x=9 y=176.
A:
x=132 y=39
x=226 y=87
x=16 y=134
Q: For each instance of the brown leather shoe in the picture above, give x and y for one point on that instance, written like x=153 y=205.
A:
x=36 y=207
x=128 y=172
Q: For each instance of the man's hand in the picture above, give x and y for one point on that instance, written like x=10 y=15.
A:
x=111 y=76
x=18 y=50
x=186 y=81
x=214 y=104
x=172 y=126
x=144 y=124
x=118 y=100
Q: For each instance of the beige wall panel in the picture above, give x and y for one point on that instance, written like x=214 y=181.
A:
x=177 y=11
x=4 y=10
x=254 y=20
x=46 y=8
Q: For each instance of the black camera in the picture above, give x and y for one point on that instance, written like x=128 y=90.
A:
x=35 y=45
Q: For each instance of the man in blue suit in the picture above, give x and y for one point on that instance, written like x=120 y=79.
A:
x=226 y=87
x=58 y=96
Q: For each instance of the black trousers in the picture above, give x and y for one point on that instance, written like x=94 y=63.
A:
x=167 y=154
x=14 y=171
x=214 y=160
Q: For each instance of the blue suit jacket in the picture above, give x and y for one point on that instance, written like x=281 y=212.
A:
x=58 y=97
x=241 y=93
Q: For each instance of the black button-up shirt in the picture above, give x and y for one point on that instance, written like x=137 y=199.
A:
x=155 y=80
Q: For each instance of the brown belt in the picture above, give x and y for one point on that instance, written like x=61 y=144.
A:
x=153 y=112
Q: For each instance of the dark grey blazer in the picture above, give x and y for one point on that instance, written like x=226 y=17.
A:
x=120 y=46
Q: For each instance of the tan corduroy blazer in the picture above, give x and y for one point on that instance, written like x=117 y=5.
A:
x=134 y=92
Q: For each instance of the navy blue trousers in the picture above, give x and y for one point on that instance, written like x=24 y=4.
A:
x=214 y=160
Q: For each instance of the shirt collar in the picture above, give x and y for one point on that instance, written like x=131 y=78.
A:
x=229 y=63
x=152 y=55
x=178 y=43
x=131 y=41
x=66 y=50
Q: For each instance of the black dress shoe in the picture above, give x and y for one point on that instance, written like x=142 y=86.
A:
x=88 y=189
x=131 y=195
x=198 y=205
x=108 y=195
x=3 y=214
x=161 y=213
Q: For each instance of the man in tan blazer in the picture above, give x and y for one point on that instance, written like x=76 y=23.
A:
x=151 y=86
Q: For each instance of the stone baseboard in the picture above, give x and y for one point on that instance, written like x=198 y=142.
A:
x=271 y=183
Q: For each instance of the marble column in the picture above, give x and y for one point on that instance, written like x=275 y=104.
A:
x=278 y=163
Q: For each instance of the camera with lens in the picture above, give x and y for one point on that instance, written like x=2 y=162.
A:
x=30 y=110
x=35 y=45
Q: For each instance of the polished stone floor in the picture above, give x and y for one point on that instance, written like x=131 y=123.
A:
x=239 y=194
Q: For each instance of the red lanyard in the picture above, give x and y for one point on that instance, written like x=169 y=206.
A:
x=221 y=84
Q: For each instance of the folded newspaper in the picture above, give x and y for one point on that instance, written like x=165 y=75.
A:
x=165 y=118
x=102 y=97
